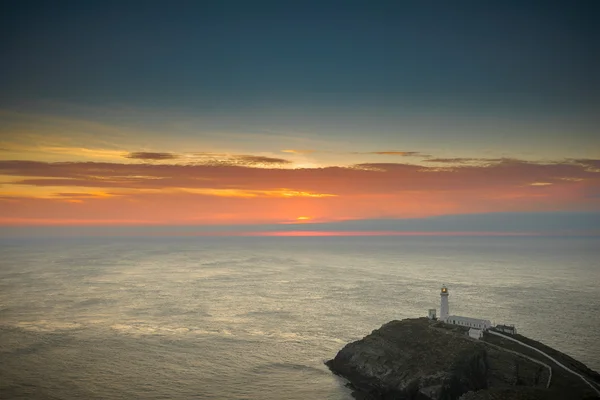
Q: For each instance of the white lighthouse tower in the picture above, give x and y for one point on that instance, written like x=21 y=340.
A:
x=444 y=307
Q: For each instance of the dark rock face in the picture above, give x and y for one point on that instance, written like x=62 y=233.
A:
x=423 y=359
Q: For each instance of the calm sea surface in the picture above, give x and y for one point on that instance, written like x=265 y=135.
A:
x=254 y=318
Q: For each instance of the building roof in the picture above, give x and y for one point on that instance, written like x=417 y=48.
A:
x=469 y=319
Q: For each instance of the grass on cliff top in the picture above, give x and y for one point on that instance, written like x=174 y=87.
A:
x=561 y=357
x=562 y=381
x=421 y=346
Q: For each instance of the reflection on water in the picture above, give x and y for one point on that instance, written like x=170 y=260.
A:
x=254 y=318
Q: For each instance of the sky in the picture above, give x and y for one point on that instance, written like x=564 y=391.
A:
x=270 y=116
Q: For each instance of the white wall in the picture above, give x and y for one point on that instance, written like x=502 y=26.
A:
x=444 y=307
x=475 y=333
x=469 y=322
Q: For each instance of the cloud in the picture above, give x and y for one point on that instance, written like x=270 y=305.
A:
x=248 y=193
x=60 y=153
x=592 y=165
x=84 y=194
x=587 y=161
x=398 y=153
x=259 y=160
x=382 y=153
x=540 y=184
x=395 y=153
x=466 y=160
x=361 y=178
x=459 y=160
x=208 y=158
x=242 y=160
x=299 y=151
x=232 y=193
x=141 y=155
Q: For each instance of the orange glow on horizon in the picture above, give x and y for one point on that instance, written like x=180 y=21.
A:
x=291 y=234
x=381 y=233
x=104 y=193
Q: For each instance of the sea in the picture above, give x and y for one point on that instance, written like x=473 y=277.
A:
x=193 y=317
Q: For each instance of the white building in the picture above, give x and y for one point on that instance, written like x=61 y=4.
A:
x=475 y=333
x=467 y=322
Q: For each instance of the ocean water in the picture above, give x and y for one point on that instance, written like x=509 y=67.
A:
x=255 y=318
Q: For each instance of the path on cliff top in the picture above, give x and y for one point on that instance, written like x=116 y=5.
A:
x=549 y=357
x=543 y=364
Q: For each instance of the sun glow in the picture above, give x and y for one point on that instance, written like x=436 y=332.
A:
x=303 y=218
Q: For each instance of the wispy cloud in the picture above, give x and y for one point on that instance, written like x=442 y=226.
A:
x=478 y=160
x=142 y=155
x=458 y=160
x=259 y=160
x=242 y=160
x=248 y=193
x=208 y=158
x=541 y=184
x=381 y=153
x=299 y=151
x=590 y=164
x=396 y=153
x=40 y=151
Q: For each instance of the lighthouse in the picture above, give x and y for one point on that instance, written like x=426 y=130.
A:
x=476 y=326
x=444 y=307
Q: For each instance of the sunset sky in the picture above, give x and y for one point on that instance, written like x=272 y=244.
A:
x=278 y=115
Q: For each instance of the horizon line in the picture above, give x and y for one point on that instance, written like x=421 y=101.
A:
x=290 y=234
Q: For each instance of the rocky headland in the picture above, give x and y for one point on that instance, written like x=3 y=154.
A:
x=424 y=359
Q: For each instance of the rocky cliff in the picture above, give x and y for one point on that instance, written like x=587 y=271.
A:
x=423 y=359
